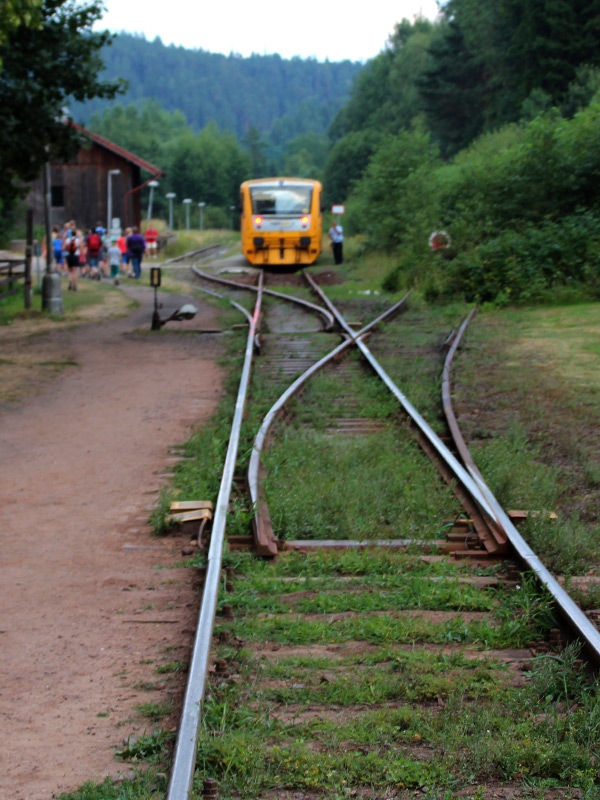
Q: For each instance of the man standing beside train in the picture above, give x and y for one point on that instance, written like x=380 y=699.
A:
x=336 y=234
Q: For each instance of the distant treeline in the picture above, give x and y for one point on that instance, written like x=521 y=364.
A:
x=278 y=97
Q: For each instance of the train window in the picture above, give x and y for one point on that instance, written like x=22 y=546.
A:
x=281 y=200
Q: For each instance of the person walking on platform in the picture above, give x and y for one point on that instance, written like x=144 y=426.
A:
x=136 y=246
x=72 y=247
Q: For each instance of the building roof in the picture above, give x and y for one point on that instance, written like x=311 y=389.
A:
x=120 y=151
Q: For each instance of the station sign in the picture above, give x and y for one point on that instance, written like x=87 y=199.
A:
x=339 y=209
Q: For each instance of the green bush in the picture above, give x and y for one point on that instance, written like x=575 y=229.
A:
x=522 y=207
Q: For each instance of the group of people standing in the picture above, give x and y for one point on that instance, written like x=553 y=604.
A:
x=95 y=255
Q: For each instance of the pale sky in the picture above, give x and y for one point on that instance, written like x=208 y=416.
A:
x=306 y=28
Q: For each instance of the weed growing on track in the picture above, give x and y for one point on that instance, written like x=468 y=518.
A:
x=154 y=711
x=301 y=711
x=335 y=725
x=320 y=485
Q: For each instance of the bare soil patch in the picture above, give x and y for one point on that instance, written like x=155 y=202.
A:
x=91 y=602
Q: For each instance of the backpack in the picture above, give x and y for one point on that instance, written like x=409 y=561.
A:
x=94 y=242
x=72 y=245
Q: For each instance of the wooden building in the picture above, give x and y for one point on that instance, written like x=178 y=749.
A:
x=79 y=189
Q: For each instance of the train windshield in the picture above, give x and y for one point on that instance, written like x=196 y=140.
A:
x=275 y=200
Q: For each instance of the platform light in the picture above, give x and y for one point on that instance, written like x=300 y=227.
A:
x=152 y=185
x=109 y=203
x=170 y=197
x=187 y=203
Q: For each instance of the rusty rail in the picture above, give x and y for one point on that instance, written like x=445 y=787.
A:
x=572 y=616
x=266 y=541
x=326 y=315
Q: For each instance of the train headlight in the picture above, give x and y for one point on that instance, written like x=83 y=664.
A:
x=258 y=221
x=305 y=221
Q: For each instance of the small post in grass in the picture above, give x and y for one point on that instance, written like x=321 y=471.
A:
x=155 y=279
x=186 y=311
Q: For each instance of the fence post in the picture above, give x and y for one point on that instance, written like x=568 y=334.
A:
x=28 y=254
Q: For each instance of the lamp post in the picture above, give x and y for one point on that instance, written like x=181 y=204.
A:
x=187 y=202
x=109 y=207
x=170 y=197
x=201 y=207
x=151 y=184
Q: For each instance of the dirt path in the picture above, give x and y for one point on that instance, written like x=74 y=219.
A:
x=85 y=617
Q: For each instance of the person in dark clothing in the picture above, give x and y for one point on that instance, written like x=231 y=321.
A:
x=136 y=247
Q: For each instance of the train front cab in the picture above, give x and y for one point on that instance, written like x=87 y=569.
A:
x=281 y=221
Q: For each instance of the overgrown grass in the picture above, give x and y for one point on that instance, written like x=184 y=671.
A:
x=305 y=711
x=527 y=383
x=186 y=242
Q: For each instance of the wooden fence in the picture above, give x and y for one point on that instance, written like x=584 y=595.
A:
x=12 y=276
x=14 y=270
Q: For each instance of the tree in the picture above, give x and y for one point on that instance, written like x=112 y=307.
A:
x=384 y=95
x=43 y=67
x=14 y=13
x=147 y=131
x=347 y=162
x=208 y=166
x=452 y=90
x=255 y=148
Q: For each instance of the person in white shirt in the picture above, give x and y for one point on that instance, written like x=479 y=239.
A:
x=336 y=234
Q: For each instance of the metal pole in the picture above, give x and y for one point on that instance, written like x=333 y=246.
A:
x=170 y=197
x=51 y=288
x=150 y=202
x=109 y=202
x=109 y=205
x=187 y=203
x=201 y=207
x=28 y=254
x=152 y=185
x=47 y=204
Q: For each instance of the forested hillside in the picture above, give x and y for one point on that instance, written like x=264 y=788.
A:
x=485 y=125
x=280 y=98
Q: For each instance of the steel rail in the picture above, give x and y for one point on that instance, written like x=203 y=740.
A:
x=573 y=616
x=456 y=467
x=457 y=436
x=326 y=315
x=570 y=612
x=239 y=307
x=184 y=761
x=192 y=254
x=265 y=540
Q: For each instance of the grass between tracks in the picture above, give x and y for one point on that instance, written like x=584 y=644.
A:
x=281 y=724
x=339 y=702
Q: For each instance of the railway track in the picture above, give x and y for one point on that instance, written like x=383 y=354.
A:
x=339 y=668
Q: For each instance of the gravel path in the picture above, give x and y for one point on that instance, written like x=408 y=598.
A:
x=85 y=616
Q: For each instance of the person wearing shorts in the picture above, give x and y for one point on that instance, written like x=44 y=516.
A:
x=151 y=237
x=72 y=247
x=122 y=245
x=114 y=259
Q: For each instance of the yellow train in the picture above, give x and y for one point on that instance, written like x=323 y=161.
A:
x=282 y=221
